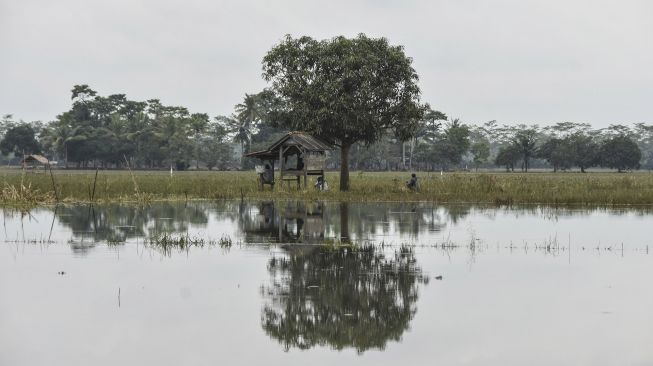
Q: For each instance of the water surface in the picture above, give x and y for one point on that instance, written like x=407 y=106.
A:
x=458 y=284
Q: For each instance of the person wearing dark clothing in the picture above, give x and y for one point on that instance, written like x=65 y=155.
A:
x=268 y=174
x=412 y=183
x=300 y=163
x=321 y=184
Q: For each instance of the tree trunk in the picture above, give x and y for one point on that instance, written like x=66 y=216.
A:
x=403 y=155
x=344 y=167
x=344 y=222
x=412 y=149
x=242 y=154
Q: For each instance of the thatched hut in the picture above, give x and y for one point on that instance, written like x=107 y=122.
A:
x=34 y=161
x=298 y=154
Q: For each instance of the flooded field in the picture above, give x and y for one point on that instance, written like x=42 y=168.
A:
x=296 y=283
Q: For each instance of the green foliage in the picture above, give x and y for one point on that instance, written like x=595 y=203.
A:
x=584 y=149
x=525 y=142
x=344 y=90
x=250 y=124
x=103 y=131
x=621 y=153
x=20 y=140
x=449 y=146
x=480 y=152
x=558 y=153
x=508 y=157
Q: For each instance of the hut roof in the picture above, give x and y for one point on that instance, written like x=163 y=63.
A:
x=300 y=139
x=35 y=158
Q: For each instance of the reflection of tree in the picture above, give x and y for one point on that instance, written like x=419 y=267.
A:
x=117 y=223
x=341 y=297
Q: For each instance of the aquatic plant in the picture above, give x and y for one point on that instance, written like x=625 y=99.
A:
x=225 y=241
x=167 y=241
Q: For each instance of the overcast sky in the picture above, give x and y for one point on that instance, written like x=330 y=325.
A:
x=515 y=61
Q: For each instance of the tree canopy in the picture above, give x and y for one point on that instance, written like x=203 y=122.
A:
x=20 y=140
x=344 y=90
x=621 y=153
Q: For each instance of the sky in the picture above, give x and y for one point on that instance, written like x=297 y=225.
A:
x=514 y=61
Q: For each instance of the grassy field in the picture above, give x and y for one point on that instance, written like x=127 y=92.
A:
x=604 y=188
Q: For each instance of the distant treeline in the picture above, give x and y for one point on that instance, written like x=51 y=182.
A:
x=113 y=132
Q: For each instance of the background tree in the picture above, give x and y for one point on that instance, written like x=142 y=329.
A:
x=344 y=90
x=621 y=153
x=198 y=125
x=449 y=146
x=427 y=129
x=644 y=139
x=215 y=149
x=556 y=152
x=480 y=153
x=7 y=122
x=584 y=150
x=525 y=141
x=20 y=140
x=508 y=156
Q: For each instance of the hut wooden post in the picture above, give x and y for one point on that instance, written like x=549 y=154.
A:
x=281 y=165
x=305 y=168
x=273 y=182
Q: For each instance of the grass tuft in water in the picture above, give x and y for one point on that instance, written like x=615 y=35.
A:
x=225 y=241
x=167 y=242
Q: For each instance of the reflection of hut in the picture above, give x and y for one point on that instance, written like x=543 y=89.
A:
x=301 y=222
x=288 y=223
x=34 y=161
x=299 y=154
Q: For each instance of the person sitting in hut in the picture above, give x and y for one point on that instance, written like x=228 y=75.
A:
x=300 y=162
x=412 y=184
x=321 y=184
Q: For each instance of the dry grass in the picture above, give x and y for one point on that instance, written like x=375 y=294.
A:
x=597 y=188
x=21 y=193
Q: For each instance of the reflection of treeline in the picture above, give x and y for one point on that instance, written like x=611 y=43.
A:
x=117 y=223
x=346 y=222
x=342 y=297
x=110 y=131
x=259 y=221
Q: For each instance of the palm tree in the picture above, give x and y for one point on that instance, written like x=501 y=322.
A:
x=250 y=111
x=428 y=130
x=198 y=124
x=57 y=135
x=239 y=131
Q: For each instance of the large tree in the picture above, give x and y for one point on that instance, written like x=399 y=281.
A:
x=557 y=152
x=344 y=90
x=525 y=141
x=621 y=153
x=508 y=156
x=20 y=140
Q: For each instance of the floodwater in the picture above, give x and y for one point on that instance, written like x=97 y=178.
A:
x=263 y=283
